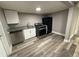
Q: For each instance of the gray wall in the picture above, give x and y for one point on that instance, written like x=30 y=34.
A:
x=59 y=21
x=30 y=19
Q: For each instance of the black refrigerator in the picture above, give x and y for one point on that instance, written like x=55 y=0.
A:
x=47 y=21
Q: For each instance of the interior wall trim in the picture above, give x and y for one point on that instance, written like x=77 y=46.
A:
x=58 y=33
x=66 y=40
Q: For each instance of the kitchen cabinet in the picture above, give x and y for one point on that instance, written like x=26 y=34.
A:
x=29 y=33
x=26 y=33
x=11 y=16
x=33 y=32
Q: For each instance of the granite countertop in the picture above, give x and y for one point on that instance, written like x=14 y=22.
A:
x=19 y=28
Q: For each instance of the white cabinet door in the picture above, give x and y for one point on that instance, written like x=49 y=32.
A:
x=33 y=32
x=26 y=33
x=11 y=17
x=2 y=50
x=29 y=33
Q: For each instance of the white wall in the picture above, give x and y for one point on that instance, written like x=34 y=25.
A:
x=6 y=36
x=59 y=21
x=30 y=19
x=69 y=22
x=75 y=22
x=72 y=23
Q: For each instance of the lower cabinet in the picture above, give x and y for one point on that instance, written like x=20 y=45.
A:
x=29 y=33
x=32 y=32
x=26 y=33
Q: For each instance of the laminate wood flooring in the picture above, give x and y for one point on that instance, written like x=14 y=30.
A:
x=51 y=45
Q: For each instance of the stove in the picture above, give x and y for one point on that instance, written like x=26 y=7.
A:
x=41 y=29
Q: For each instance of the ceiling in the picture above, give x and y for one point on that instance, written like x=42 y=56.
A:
x=29 y=6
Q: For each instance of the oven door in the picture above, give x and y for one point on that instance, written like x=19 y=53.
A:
x=42 y=31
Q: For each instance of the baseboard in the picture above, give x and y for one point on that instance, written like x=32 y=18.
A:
x=71 y=36
x=58 y=33
x=66 y=40
x=10 y=52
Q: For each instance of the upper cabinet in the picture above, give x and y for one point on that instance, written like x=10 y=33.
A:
x=11 y=16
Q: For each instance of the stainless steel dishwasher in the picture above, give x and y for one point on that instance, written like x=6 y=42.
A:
x=17 y=37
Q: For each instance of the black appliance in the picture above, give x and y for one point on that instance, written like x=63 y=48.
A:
x=40 y=29
x=47 y=21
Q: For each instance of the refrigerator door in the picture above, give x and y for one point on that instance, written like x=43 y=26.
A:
x=48 y=21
